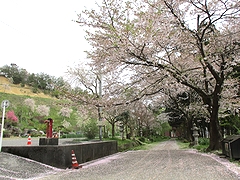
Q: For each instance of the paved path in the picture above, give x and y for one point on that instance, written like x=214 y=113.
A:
x=163 y=162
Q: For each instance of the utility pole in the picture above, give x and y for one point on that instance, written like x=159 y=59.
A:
x=100 y=106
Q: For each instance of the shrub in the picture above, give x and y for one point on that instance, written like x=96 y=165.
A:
x=71 y=136
x=90 y=129
x=157 y=138
x=203 y=141
x=142 y=139
x=11 y=116
x=35 y=134
x=35 y=90
x=6 y=133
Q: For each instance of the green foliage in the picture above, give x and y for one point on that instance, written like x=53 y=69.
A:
x=72 y=136
x=35 y=90
x=39 y=82
x=158 y=138
x=11 y=128
x=6 y=133
x=120 y=140
x=231 y=123
x=142 y=139
x=90 y=129
x=35 y=134
x=203 y=141
x=18 y=75
x=236 y=71
x=183 y=144
x=201 y=148
x=165 y=127
x=56 y=93
x=203 y=144
x=28 y=119
x=124 y=117
x=136 y=144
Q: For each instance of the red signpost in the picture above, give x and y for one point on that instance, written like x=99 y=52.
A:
x=49 y=123
x=49 y=140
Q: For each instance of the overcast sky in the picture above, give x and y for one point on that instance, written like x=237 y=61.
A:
x=40 y=36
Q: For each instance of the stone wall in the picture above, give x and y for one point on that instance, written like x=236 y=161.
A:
x=60 y=156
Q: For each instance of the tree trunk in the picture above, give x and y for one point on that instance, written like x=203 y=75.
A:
x=215 y=135
x=189 y=130
x=113 y=129
x=215 y=131
x=126 y=131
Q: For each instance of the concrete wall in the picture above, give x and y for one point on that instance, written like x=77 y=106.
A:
x=61 y=156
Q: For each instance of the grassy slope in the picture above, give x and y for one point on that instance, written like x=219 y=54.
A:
x=9 y=88
x=17 y=94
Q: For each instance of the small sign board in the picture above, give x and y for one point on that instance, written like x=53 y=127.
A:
x=5 y=103
x=100 y=123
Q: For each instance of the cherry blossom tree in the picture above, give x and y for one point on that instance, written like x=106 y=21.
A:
x=30 y=103
x=66 y=124
x=11 y=124
x=111 y=114
x=65 y=112
x=192 y=43
x=183 y=110
x=11 y=116
x=144 y=117
x=43 y=110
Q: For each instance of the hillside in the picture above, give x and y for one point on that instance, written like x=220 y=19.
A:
x=33 y=119
x=8 y=87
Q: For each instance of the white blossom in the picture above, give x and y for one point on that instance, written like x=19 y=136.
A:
x=30 y=102
x=43 y=110
x=65 y=112
x=66 y=124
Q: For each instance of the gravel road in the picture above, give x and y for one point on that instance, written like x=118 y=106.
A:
x=163 y=162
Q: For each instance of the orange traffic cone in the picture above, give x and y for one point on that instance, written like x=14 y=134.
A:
x=75 y=164
x=29 y=142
